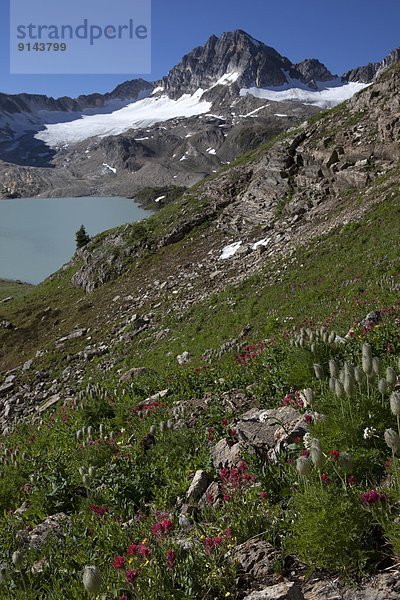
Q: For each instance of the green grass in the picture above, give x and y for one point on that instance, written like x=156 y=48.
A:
x=13 y=289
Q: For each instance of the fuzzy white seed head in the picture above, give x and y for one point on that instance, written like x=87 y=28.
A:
x=376 y=365
x=309 y=394
x=317 y=457
x=303 y=466
x=349 y=385
x=382 y=386
x=17 y=558
x=349 y=369
x=367 y=351
x=391 y=376
x=319 y=371
x=333 y=368
x=92 y=472
x=367 y=365
x=392 y=439
x=395 y=403
x=339 y=389
x=92 y=579
x=90 y=431
x=359 y=375
x=332 y=382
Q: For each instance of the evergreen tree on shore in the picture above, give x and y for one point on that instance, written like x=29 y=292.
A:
x=81 y=237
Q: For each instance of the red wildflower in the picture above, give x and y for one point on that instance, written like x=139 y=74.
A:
x=171 y=559
x=263 y=495
x=211 y=543
x=131 y=575
x=119 y=562
x=308 y=419
x=162 y=527
x=371 y=497
x=224 y=422
x=210 y=498
x=335 y=454
x=98 y=510
x=351 y=480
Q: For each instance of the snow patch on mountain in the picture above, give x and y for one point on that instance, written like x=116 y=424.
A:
x=230 y=250
x=327 y=95
x=138 y=115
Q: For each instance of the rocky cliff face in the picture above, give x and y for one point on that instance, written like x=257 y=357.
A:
x=370 y=72
x=236 y=57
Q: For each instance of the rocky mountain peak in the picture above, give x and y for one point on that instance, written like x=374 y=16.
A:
x=237 y=58
x=312 y=70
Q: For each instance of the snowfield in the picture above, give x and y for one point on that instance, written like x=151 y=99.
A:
x=328 y=94
x=137 y=115
x=62 y=129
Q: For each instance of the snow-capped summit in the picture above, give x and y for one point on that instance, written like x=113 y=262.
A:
x=236 y=57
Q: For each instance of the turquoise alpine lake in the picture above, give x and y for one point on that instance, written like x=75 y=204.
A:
x=37 y=235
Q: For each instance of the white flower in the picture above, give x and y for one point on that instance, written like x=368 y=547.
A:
x=263 y=416
x=369 y=432
x=307 y=441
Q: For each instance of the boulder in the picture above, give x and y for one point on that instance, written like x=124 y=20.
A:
x=200 y=483
x=37 y=537
x=132 y=374
x=224 y=455
x=256 y=559
x=267 y=432
x=280 y=591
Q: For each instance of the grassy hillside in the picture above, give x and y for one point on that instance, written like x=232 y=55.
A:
x=13 y=289
x=110 y=458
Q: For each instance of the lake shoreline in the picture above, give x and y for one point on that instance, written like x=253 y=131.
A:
x=38 y=235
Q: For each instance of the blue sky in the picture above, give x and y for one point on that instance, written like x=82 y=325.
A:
x=342 y=34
